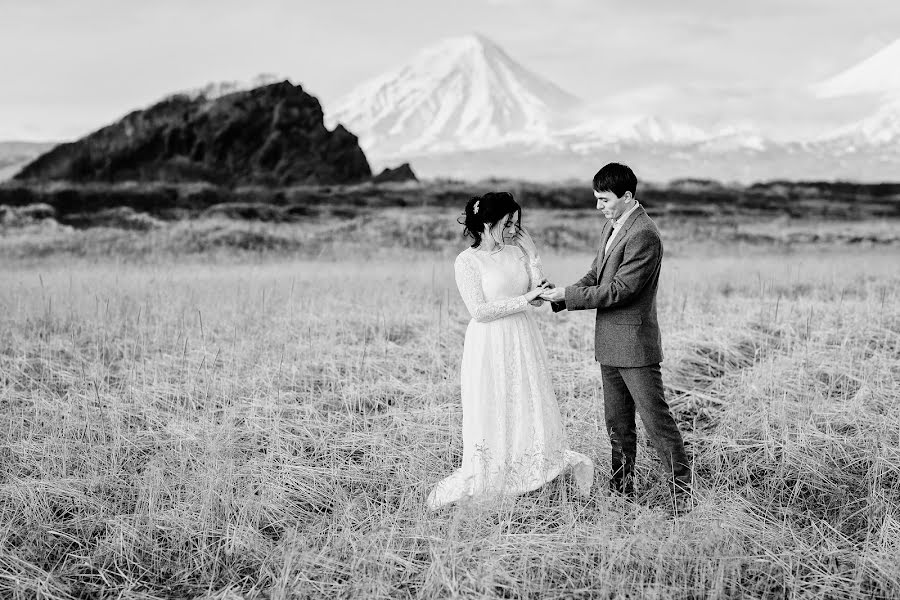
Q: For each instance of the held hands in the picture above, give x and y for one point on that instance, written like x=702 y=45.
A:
x=538 y=291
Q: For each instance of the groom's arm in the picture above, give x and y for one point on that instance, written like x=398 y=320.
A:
x=643 y=252
x=589 y=278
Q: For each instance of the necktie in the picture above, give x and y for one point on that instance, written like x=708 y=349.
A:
x=609 y=242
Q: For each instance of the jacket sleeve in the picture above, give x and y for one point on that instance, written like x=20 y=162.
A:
x=643 y=253
x=468 y=280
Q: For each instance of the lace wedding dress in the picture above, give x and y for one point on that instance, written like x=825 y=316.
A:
x=513 y=437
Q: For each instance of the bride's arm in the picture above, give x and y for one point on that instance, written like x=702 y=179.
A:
x=468 y=280
x=535 y=275
x=533 y=263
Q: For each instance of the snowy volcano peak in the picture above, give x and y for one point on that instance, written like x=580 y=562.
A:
x=491 y=66
x=878 y=74
x=462 y=92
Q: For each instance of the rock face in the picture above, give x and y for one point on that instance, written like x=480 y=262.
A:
x=271 y=135
x=402 y=173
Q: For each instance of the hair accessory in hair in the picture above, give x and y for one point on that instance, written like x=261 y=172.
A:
x=475 y=208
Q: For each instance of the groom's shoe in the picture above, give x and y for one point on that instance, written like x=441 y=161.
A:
x=623 y=486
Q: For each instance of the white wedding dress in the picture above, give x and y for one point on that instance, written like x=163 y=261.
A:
x=513 y=437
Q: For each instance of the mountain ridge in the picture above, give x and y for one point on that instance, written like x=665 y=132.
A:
x=732 y=150
x=377 y=109
x=463 y=92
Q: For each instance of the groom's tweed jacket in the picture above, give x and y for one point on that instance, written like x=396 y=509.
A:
x=621 y=285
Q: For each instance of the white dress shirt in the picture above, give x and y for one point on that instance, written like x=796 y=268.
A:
x=618 y=225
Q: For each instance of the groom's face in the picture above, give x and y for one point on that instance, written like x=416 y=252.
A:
x=611 y=205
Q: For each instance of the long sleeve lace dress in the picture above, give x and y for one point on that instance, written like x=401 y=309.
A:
x=513 y=437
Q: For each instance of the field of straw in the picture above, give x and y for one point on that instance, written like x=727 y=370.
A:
x=266 y=423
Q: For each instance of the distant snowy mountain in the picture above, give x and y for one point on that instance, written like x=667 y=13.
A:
x=466 y=94
x=466 y=104
x=878 y=74
x=464 y=108
x=461 y=93
x=879 y=133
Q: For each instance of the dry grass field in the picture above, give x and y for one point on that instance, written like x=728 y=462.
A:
x=229 y=420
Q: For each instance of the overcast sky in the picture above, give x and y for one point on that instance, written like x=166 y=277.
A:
x=69 y=67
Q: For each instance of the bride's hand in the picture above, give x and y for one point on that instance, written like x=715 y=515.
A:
x=536 y=292
x=523 y=239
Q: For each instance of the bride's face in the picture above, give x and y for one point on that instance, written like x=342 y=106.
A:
x=505 y=229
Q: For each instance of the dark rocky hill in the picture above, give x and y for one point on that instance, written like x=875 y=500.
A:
x=270 y=135
x=402 y=173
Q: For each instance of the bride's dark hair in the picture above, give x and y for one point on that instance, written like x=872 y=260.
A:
x=491 y=207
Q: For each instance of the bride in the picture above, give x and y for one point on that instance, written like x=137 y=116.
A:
x=513 y=438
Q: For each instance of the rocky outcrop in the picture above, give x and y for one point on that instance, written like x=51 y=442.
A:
x=270 y=135
x=402 y=173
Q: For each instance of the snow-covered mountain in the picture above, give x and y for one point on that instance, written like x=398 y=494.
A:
x=466 y=94
x=465 y=108
x=878 y=134
x=461 y=93
x=467 y=104
x=877 y=74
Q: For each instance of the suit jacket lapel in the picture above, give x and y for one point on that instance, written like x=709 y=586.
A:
x=620 y=237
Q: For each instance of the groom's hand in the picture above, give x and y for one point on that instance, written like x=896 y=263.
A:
x=554 y=295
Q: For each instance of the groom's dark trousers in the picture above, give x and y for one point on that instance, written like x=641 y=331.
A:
x=621 y=286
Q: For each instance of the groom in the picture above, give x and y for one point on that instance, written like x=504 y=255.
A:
x=621 y=286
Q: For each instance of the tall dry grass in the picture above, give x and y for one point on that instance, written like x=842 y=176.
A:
x=270 y=427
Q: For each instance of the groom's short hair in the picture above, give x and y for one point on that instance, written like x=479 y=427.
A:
x=616 y=178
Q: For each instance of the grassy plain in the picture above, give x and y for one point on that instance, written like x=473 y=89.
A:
x=226 y=409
